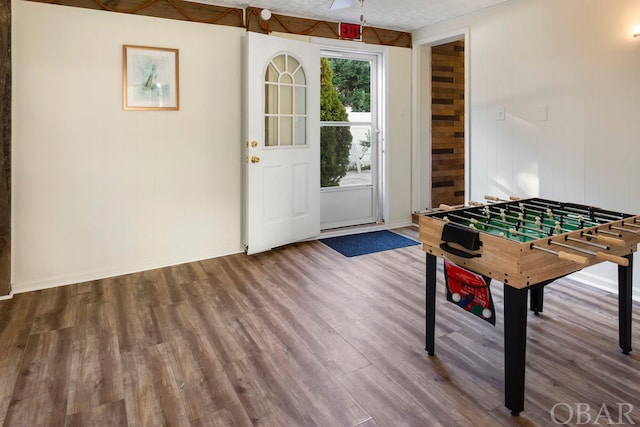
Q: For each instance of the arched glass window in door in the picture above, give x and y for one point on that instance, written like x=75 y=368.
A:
x=285 y=109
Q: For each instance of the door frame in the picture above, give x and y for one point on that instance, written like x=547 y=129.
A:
x=382 y=52
x=376 y=135
x=421 y=145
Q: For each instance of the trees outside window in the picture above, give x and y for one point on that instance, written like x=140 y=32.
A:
x=345 y=83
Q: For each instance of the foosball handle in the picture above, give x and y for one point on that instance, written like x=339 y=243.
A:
x=609 y=240
x=473 y=203
x=603 y=256
x=446 y=207
x=492 y=198
x=579 y=259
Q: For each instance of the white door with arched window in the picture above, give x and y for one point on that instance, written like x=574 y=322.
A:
x=282 y=153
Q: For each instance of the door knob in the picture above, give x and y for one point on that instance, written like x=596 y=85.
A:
x=255 y=159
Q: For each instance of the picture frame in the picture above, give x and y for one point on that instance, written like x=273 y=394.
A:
x=150 y=78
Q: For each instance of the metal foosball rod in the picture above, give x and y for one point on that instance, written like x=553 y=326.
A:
x=545 y=207
x=537 y=230
x=550 y=213
x=564 y=210
x=592 y=212
x=474 y=221
x=634 y=225
x=609 y=233
x=538 y=221
x=634 y=231
x=612 y=241
x=586 y=242
x=503 y=213
x=540 y=233
x=579 y=259
x=541 y=208
x=581 y=220
x=600 y=255
x=569 y=210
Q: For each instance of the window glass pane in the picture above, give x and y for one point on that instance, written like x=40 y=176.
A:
x=286 y=99
x=300 y=130
x=350 y=79
x=278 y=62
x=271 y=74
x=345 y=155
x=285 y=104
x=292 y=64
x=299 y=77
x=359 y=169
x=270 y=131
x=286 y=130
x=300 y=100
x=271 y=99
x=286 y=79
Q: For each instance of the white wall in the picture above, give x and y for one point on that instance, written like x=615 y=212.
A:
x=398 y=136
x=578 y=60
x=98 y=191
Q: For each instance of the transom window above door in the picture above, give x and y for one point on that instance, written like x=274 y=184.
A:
x=285 y=106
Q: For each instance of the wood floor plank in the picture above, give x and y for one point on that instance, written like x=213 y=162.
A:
x=57 y=310
x=151 y=392
x=40 y=394
x=316 y=389
x=319 y=291
x=266 y=398
x=95 y=361
x=432 y=381
x=16 y=318
x=229 y=340
x=234 y=416
x=388 y=404
x=110 y=414
x=158 y=287
x=202 y=381
x=331 y=350
x=136 y=324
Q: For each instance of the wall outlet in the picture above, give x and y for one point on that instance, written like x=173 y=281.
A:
x=500 y=115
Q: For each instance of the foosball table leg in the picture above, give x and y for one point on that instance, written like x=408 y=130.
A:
x=430 y=303
x=515 y=347
x=625 y=293
x=537 y=300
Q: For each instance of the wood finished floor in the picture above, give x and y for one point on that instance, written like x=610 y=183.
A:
x=294 y=337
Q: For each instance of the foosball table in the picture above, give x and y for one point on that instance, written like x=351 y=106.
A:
x=526 y=244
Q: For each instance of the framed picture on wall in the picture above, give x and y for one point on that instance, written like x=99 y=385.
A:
x=150 y=78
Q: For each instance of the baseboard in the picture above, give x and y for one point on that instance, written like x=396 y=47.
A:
x=87 y=276
x=598 y=281
x=6 y=297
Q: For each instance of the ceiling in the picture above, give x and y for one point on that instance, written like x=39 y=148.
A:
x=401 y=15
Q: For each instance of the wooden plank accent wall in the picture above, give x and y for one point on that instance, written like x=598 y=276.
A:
x=5 y=145
x=171 y=9
x=447 y=124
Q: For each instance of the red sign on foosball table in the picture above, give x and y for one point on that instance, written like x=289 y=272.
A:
x=470 y=291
